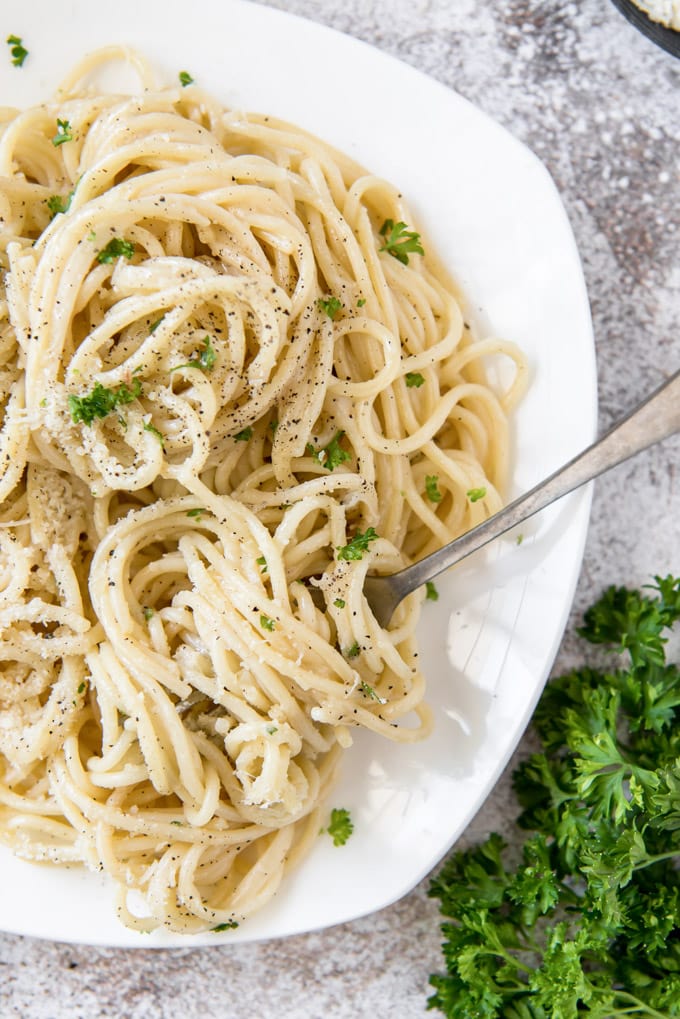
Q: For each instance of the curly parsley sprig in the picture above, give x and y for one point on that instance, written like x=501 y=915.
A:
x=588 y=924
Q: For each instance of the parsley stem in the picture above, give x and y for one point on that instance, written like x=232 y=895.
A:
x=638 y=1006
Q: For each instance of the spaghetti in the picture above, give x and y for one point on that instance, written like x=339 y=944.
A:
x=230 y=375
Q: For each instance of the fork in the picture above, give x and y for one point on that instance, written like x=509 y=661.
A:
x=654 y=419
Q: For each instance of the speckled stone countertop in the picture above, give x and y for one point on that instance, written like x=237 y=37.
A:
x=600 y=105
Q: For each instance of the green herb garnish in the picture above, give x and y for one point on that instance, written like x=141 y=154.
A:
x=588 y=924
x=262 y=563
x=475 y=494
x=340 y=826
x=185 y=79
x=116 y=248
x=228 y=925
x=102 y=400
x=57 y=204
x=148 y=613
x=330 y=305
x=244 y=435
x=267 y=623
x=400 y=241
x=432 y=594
x=148 y=427
x=205 y=360
x=332 y=455
x=63 y=133
x=431 y=488
x=17 y=50
x=339 y=603
x=352 y=652
x=358 y=545
x=414 y=380
x=196 y=512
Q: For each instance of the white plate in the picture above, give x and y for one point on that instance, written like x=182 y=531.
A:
x=488 y=644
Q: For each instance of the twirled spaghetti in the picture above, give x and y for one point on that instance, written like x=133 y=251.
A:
x=230 y=375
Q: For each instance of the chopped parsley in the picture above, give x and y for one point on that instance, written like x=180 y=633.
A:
x=271 y=729
x=332 y=455
x=475 y=494
x=148 y=613
x=17 y=50
x=63 y=133
x=340 y=826
x=262 y=563
x=414 y=380
x=154 y=325
x=358 y=545
x=228 y=925
x=361 y=302
x=400 y=241
x=244 y=435
x=352 y=652
x=116 y=248
x=57 y=203
x=148 y=427
x=205 y=360
x=431 y=488
x=81 y=688
x=102 y=401
x=369 y=691
x=196 y=512
x=267 y=623
x=185 y=79
x=330 y=305
x=432 y=594
x=339 y=603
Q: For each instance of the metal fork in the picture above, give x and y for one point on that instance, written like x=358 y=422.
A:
x=654 y=419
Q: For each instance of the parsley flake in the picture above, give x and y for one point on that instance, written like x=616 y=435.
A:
x=148 y=427
x=63 y=133
x=228 y=925
x=340 y=826
x=352 y=652
x=102 y=401
x=400 y=241
x=332 y=455
x=17 y=50
x=262 y=563
x=205 y=360
x=414 y=380
x=196 y=512
x=116 y=248
x=475 y=494
x=330 y=305
x=432 y=594
x=185 y=79
x=339 y=603
x=267 y=623
x=244 y=435
x=432 y=489
x=358 y=545
x=57 y=203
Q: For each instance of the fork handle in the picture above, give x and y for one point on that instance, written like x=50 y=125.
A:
x=654 y=419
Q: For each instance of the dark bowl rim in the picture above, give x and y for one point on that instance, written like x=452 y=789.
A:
x=667 y=38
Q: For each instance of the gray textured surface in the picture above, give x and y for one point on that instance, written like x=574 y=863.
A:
x=599 y=104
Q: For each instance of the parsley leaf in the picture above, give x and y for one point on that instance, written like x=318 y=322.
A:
x=185 y=79
x=432 y=594
x=358 y=545
x=267 y=623
x=116 y=248
x=57 y=203
x=414 y=380
x=340 y=826
x=102 y=401
x=400 y=241
x=149 y=427
x=205 y=360
x=588 y=924
x=63 y=133
x=431 y=488
x=244 y=435
x=228 y=925
x=332 y=455
x=475 y=494
x=17 y=50
x=330 y=305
